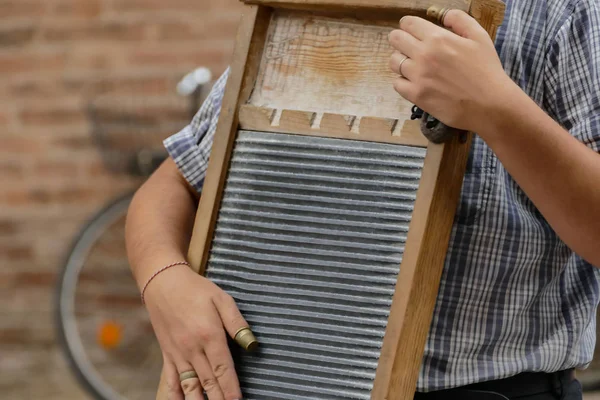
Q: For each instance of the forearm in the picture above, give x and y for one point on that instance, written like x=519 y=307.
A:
x=558 y=173
x=159 y=222
x=191 y=337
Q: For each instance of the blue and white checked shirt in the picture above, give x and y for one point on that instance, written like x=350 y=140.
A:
x=513 y=296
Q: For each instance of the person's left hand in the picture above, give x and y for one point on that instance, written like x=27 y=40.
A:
x=454 y=75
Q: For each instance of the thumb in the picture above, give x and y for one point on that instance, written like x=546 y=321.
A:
x=464 y=25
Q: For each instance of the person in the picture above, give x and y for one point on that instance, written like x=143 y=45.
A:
x=516 y=306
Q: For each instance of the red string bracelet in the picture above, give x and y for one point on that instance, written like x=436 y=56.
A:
x=166 y=267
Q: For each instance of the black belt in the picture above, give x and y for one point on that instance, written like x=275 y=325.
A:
x=525 y=384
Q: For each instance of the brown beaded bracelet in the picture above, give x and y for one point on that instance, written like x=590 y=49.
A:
x=166 y=267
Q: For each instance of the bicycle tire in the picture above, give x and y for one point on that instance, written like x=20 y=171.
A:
x=68 y=337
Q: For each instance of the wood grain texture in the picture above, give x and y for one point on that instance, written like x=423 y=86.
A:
x=489 y=14
x=325 y=65
x=249 y=45
x=406 y=6
x=340 y=126
x=421 y=270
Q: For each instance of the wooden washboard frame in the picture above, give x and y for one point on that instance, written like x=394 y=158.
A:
x=438 y=194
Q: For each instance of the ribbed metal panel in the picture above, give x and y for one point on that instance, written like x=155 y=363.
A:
x=309 y=241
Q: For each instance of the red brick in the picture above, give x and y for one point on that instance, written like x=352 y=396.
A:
x=178 y=31
x=32 y=335
x=210 y=56
x=16 y=252
x=176 y=5
x=75 y=143
x=45 y=196
x=94 y=277
x=14 y=336
x=21 y=8
x=14 y=36
x=53 y=115
x=20 y=62
x=121 y=301
x=8 y=227
x=113 y=248
x=36 y=88
x=10 y=169
x=18 y=144
x=19 y=197
x=95 y=169
x=140 y=112
x=123 y=86
x=3 y=118
x=116 y=31
x=76 y=194
x=218 y=28
x=30 y=279
x=97 y=60
x=77 y=8
x=49 y=169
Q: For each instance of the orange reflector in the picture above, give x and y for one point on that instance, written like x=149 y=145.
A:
x=109 y=335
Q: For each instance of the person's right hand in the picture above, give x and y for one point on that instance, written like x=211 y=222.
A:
x=191 y=317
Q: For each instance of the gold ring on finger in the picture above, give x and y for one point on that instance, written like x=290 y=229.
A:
x=400 y=66
x=184 y=376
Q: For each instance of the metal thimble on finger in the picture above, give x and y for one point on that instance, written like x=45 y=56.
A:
x=246 y=339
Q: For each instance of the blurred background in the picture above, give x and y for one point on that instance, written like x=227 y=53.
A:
x=79 y=79
x=88 y=90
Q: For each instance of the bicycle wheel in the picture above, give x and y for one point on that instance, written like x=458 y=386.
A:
x=103 y=329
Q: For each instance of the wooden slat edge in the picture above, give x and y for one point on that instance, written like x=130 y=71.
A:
x=249 y=44
x=406 y=6
x=421 y=270
x=489 y=14
x=339 y=126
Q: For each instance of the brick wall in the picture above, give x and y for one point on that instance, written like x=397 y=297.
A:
x=56 y=58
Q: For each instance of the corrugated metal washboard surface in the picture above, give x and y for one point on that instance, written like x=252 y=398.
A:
x=309 y=241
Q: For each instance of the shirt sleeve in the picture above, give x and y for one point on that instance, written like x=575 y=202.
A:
x=573 y=74
x=190 y=148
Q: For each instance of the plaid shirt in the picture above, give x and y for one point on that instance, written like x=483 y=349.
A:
x=513 y=296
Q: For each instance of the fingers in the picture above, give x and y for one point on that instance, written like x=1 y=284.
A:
x=402 y=65
x=171 y=377
x=405 y=89
x=229 y=313
x=404 y=42
x=211 y=361
x=207 y=381
x=223 y=369
x=190 y=387
x=418 y=27
x=464 y=25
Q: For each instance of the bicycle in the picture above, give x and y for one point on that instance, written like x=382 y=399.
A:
x=102 y=328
